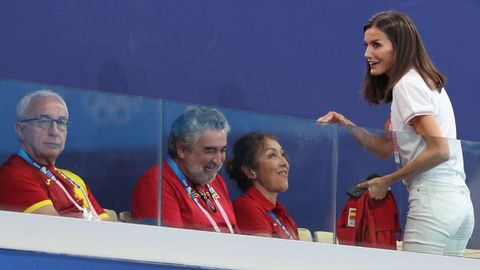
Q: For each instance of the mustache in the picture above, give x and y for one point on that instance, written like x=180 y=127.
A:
x=214 y=166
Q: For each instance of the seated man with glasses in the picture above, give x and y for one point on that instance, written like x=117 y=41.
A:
x=29 y=180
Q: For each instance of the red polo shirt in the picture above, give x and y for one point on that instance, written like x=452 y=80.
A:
x=24 y=188
x=178 y=209
x=251 y=210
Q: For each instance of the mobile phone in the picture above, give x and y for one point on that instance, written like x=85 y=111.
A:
x=356 y=192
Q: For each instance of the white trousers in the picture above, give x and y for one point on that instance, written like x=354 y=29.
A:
x=440 y=219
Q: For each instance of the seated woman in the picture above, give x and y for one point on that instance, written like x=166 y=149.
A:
x=259 y=167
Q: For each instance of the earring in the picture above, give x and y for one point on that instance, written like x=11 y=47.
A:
x=253 y=173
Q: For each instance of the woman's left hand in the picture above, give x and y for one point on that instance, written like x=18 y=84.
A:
x=377 y=187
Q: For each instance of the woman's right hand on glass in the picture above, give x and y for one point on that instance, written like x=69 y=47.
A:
x=336 y=118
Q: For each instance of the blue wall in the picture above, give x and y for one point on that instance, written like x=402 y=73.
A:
x=299 y=58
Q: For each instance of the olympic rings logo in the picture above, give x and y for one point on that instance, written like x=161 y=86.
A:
x=106 y=110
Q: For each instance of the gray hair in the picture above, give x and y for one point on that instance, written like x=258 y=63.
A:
x=25 y=102
x=192 y=123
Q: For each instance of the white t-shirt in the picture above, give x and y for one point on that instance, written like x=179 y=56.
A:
x=412 y=97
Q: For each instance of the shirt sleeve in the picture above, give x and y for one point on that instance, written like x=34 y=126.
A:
x=413 y=97
x=145 y=195
x=22 y=190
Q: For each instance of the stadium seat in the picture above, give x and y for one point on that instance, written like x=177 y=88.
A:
x=126 y=216
x=323 y=237
x=304 y=234
x=112 y=214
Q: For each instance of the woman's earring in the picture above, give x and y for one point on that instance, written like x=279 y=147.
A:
x=253 y=173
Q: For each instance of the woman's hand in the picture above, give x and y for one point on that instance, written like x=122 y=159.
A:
x=334 y=117
x=377 y=187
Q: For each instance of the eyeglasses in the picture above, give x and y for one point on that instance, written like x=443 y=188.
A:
x=46 y=122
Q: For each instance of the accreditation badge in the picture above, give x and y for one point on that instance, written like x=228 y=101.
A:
x=352 y=213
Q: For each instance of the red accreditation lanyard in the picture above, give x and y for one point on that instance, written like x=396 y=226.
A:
x=88 y=213
x=194 y=197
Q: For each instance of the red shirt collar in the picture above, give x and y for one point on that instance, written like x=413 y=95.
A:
x=255 y=195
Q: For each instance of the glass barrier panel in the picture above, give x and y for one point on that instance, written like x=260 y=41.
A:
x=310 y=193
x=118 y=145
x=112 y=139
x=436 y=198
x=357 y=164
x=446 y=187
x=471 y=157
